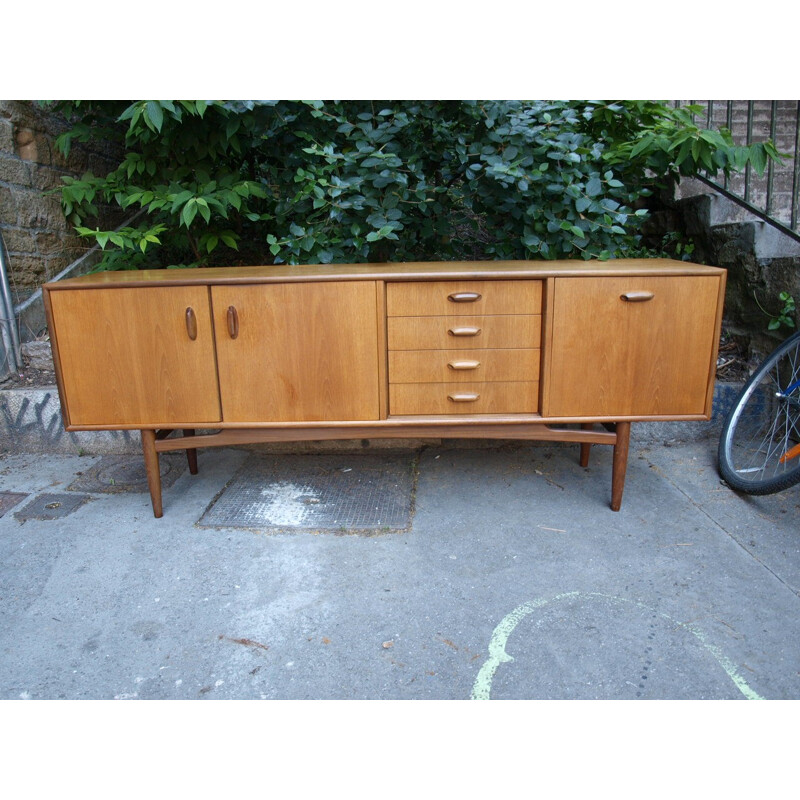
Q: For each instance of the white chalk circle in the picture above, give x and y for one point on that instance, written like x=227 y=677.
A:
x=497 y=646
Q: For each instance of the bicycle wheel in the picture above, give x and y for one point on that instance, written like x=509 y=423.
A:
x=759 y=450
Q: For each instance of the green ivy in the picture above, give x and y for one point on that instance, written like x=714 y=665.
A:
x=783 y=317
x=225 y=182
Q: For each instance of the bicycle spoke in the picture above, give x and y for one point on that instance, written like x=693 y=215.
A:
x=760 y=450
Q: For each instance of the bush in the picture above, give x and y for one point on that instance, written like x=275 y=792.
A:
x=231 y=182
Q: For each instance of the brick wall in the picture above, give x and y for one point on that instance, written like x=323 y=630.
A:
x=39 y=240
x=785 y=130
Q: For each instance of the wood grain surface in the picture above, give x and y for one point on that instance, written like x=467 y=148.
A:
x=125 y=356
x=304 y=352
x=388 y=271
x=515 y=397
x=433 y=333
x=432 y=298
x=616 y=358
x=443 y=366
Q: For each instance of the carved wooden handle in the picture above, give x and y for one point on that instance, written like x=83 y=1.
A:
x=464 y=397
x=191 y=323
x=464 y=331
x=463 y=297
x=463 y=364
x=233 y=322
x=637 y=297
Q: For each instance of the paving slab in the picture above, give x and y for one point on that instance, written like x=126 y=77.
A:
x=514 y=580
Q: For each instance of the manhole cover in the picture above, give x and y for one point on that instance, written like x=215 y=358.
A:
x=312 y=492
x=9 y=499
x=51 y=506
x=113 y=474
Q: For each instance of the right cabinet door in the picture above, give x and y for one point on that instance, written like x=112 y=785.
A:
x=632 y=347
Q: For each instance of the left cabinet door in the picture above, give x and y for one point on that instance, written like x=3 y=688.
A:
x=136 y=357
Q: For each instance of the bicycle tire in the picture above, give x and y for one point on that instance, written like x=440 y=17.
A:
x=764 y=425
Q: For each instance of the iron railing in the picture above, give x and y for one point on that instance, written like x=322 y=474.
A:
x=775 y=196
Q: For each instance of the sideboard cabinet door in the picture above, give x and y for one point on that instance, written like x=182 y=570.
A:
x=136 y=357
x=297 y=352
x=632 y=346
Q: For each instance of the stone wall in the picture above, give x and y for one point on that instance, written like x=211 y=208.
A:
x=39 y=240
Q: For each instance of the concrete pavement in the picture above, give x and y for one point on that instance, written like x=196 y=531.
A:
x=514 y=580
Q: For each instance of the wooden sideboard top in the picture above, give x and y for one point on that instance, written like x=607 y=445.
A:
x=386 y=271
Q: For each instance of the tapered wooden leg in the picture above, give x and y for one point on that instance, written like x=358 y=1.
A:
x=586 y=447
x=153 y=471
x=620 y=464
x=191 y=453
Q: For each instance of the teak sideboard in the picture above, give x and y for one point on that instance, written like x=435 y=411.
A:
x=557 y=350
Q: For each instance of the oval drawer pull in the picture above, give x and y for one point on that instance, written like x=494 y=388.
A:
x=233 y=322
x=191 y=323
x=463 y=297
x=463 y=364
x=463 y=397
x=637 y=297
x=464 y=331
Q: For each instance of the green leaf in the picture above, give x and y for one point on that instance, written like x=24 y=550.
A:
x=594 y=187
x=155 y=114
x=189 y=212
x=758 y=157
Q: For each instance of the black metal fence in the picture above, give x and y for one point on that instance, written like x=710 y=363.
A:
x=775 y=196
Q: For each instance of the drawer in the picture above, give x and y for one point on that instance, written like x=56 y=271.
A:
x=445 y=298
x=502 y=397
x=445 y=366
x=464 y=333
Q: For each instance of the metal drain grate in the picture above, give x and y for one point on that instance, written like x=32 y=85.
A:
x=51 y=506
x=313 y=492
x=112 y=474
x=9 y=499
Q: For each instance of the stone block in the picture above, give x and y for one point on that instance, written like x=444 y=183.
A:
x=14 y=170
x=8 y=206
x=19 y=241
x=44 y=177
x=43 y=149
x=6 y=136
x=26 y=271
x=39 y=355
x=56 y=264
x=49 y=243
x=37 y=210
